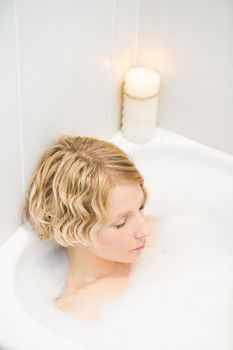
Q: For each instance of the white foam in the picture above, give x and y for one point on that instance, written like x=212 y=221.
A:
x=179 y=295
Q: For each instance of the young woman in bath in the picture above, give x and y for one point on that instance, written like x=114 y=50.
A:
x=87 y=196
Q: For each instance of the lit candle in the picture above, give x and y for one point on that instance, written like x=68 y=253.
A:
x=142 y=82
x=139 y=114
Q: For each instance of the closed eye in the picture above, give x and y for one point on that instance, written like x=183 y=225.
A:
x=123 y=223
x=120 y=225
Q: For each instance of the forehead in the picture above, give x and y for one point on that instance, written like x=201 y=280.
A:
x=123 y=197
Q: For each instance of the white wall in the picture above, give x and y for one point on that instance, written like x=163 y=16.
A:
x=191 y=44
x=62 y=63
x=11 y=187
x=67 y=82
x=71 y=57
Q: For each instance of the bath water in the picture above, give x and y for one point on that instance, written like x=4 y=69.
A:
x=180 y=294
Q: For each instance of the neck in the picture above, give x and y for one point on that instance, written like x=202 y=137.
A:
x=85 y=267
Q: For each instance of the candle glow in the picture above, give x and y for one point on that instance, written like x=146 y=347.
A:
x=141 y=82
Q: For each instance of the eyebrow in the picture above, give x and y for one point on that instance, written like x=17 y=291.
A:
x=125 y=213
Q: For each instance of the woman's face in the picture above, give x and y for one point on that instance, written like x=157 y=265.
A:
x=126 y=228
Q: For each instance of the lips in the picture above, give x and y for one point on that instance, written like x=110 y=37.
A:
x=142 y=246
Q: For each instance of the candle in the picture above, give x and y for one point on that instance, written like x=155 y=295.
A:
x=140 y=104
x=142 y=82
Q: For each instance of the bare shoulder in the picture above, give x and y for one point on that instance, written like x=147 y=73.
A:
x=85 y=303
x=79 y=303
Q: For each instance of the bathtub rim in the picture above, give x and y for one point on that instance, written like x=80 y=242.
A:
x=21 y=238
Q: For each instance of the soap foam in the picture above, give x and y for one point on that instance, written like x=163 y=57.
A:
x=180 y=292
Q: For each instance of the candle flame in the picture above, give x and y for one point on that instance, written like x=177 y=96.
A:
x=142 y=73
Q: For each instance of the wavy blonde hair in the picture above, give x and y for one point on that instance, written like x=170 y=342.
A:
x=67 y=196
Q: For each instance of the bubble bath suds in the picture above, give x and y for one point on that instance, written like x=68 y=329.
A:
x=180 y=294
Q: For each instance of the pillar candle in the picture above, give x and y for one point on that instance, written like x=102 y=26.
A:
x=140 y=104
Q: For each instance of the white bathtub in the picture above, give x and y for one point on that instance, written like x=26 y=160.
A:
x=183 y=177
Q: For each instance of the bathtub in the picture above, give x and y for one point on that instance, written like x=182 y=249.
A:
x=183 y=177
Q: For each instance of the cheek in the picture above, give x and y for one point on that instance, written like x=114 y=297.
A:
x=112 y=240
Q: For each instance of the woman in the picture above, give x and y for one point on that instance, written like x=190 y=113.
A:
x=87 y=196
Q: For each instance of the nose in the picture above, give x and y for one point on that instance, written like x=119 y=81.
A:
x=142 y=229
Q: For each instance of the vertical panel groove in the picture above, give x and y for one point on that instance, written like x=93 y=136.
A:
x=135 y=59
x=19 y=99
x=110 y=87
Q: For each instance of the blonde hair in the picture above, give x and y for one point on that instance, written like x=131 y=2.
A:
x=67 y=196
